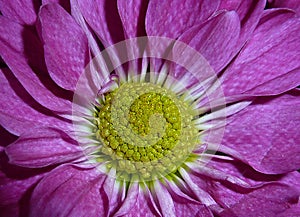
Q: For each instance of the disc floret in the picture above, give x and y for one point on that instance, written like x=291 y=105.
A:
x=144 y=130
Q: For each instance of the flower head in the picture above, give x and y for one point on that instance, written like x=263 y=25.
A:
x=149 y=108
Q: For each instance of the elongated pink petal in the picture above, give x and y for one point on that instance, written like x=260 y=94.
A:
x=264 y=59
x=12 y=190
x=291 y=4
x=43 y=147
x=172 y=18
x=187 y=208
x=268 y=200
x=292 y=179
x=266 y=133
x=65 y=45
x=16 y=184
x=19 y=112
x=64 y=3
x=164 y=199
x=70 y=191
x=22 y=11
x=287 y=81
x=216 y=39
x=23 y=53
x=290 y=212
x=143 y=206
x=133 y=13
x=229 y=194
x=103 y=17
x=201 y=195
x=6 y=138
x=186 y=205
x=129 y=201
x=249 y=12
x=241 y=171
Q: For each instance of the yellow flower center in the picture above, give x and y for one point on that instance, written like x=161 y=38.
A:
x=146 y=131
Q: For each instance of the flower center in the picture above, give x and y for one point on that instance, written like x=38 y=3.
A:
x=146 y=131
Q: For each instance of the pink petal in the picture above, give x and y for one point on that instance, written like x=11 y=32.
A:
x=264 y=59
x=65 y=44
x=215 y=39
x=11 y=210
x=259 y=131
x=172 y=18
x=164 y=199
x=171 y=205
x=15 y=187
x=19 y=112
x=268 y=200
x=186 y=208
x=184 y=204
x=228 y=194
x=143 y=206
x=21 y=11
x=6 y=138
x=12 y=190
x=291 y=212
x=64 y=3
x=23 y=53
x=292 y=179
x=133 y=13
x=287 y=81
x=246 y=173
x=103 y=17
x=249 y=12
x=43 y=147
x=70 y=191
x=129 y=201
x=291 y=4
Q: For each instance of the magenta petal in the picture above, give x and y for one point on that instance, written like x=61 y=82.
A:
x=172 y=18
x=264 y=59
x=103 y=17
x=43 y=147
x=249 y=12
x=23 y=52
x=174 y=205
x=19 y=112
x=287 y=82
x=65 y=44
x=143 y=206
x=216 y=39
x=164 y=200
x=133 y=13
x=186 y=208
x=6 y=138
x=22 y=11
x=70 y=191
x=291 y=4
x=266 y=133
x=269 y=200
x=291 y=212
x=64 y=3
x=12 y=190
x=185 y=205
x=129 y=201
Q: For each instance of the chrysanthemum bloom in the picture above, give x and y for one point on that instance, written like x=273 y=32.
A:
x=167 y=134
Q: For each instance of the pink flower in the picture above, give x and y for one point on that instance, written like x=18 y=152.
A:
x=232 y=91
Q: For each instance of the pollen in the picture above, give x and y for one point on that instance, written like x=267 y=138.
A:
x=145 y=131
